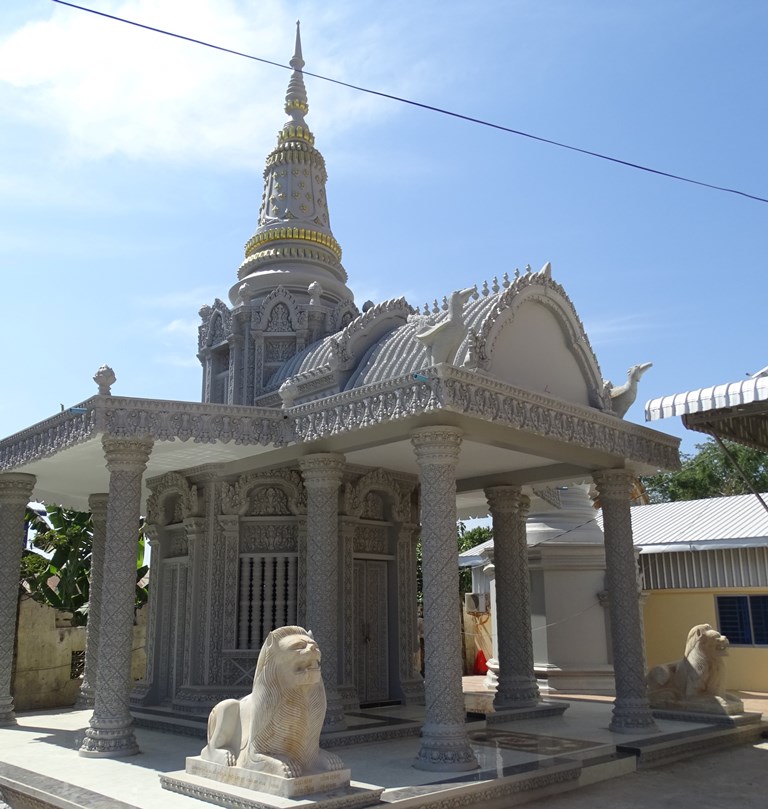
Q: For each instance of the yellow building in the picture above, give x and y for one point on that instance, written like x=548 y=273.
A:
x=706 y=561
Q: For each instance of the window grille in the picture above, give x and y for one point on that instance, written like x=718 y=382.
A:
x=743 y=619
x=267 y=596
x=77 y=665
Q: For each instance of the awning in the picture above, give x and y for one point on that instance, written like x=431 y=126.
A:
x=737 y=411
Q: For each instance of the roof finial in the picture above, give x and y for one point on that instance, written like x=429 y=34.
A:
x=297 y=55
x=296 y=104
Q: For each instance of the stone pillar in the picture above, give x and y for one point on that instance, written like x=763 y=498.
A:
x=517 y=686
x=347 y=687
x=144 y=693
x=631 y=711
x=322 y=478
x=411 y=682
x=111 y=731
x=15 y=493
x=444 y=742
x=97 y=504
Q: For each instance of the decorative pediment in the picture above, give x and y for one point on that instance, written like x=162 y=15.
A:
x=173 y=499
x=343 y=314
x=279 y=312
x=357 y=501
x=532 y=338
x=360 y=334
x=216 y=326
x=273 y=493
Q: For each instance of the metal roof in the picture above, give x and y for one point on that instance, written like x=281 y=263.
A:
x=739 y=521
x=716 y=397
x=717 y=522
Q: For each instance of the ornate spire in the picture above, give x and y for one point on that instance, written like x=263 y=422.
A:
x=296 y=104
x=293 y=238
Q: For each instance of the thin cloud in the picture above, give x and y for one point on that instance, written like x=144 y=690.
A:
x=182 y=327
x=112 y=89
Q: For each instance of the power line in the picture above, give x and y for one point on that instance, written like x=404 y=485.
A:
x=421 y=105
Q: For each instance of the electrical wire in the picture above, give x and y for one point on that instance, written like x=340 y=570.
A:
x=421 y=105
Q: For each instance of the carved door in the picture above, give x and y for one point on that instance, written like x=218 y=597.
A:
x=371 y=630
x=173 y=630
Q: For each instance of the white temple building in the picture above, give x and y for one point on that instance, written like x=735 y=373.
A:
x=330 y=439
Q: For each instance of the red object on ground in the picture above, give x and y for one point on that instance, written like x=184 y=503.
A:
x=481 y=664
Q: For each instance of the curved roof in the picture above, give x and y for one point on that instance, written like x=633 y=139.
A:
x=526 y=334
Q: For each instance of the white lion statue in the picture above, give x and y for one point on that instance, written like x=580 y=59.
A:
x=276 y=728
x=699 y=678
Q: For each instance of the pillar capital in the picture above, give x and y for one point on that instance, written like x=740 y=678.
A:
x=614 y=484
x=126 y=454
x=437 y=445
x=16 y=488
x=322 y=469
x=503 y=499
x=97 y=505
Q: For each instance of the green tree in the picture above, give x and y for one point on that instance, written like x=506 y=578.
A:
x=465 y=539
x=468 y=538
x=711 y=472
x=57 y=568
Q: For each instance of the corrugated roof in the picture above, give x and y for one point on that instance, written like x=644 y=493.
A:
x=730 y=394
x=718 y=522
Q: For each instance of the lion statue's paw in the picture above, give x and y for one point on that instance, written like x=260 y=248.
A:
x=329 y=761
x=219 y=756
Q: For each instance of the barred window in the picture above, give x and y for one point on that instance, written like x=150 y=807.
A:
x=743 y=619
x=267 y=596
x=76 y=665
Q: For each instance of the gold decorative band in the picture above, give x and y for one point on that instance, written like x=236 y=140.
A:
x=293 y=234
x=290 y=132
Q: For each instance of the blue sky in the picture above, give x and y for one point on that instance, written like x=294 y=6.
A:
x=132 y=163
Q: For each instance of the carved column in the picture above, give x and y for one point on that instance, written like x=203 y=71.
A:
x=194 y=652
x=631 y=710
x=444 y=742
x=347 y=689
x=517 y=686
x=144 y=692
x=111 y=730
x=15 y=493
x=235 y=376
x=97 y=504
x=411 y=682
x=322 y=478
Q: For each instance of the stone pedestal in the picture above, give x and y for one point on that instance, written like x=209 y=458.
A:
x=248 y=789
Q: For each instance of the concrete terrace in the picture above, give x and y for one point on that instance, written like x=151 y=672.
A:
x=521 y=761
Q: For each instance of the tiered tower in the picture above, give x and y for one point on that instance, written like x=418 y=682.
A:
x=291 y=289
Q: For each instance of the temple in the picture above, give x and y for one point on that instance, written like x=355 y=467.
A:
x=329 y=441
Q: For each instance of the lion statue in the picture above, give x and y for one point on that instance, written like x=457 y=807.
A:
x=276 y=728
x=699 y=678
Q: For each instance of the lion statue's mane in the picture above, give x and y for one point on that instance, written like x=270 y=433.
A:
x=276 y=728
x=699 y=675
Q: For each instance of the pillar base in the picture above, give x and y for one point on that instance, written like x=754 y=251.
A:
x=631 y=716
x=101 y=742
x=7 y=716
x=445 y=749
